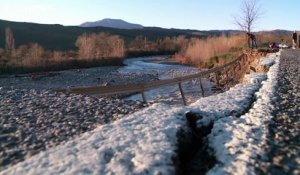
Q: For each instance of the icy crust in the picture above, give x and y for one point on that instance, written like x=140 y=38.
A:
x=237 y=142
x=143 y=143
x=232 y=102
x=268 y=61
x=259 y=77
x=255 y=77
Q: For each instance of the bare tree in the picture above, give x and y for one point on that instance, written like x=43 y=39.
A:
x=36 y=51
x=250 y=14
x=102 y=45
x=140 y=43
x=9 y=41
x=86 y=46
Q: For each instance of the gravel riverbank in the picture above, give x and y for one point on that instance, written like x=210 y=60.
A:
x=74 y=78
x=35 y=117
x=33 y=120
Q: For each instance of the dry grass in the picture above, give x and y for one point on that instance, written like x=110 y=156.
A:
x=264 y=38
x=199 y=51
x=105 y=49
x=94 y=50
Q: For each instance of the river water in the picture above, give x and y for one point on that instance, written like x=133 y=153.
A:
x=164 y=68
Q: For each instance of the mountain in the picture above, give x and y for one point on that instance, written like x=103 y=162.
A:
x=113 y=23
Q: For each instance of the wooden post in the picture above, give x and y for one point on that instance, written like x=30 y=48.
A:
x=236 y=67
x=201 y=87
x=227 y=76
x=182 y=94
x=227 y=79
x=217 y=78
x=144 y=97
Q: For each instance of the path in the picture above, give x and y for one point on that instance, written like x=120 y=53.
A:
x=283 y=148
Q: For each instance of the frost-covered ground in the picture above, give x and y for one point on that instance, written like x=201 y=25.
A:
x=239 y=141
x=146 y=142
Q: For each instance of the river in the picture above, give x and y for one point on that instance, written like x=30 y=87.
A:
x=143 y=69
x=165 y=68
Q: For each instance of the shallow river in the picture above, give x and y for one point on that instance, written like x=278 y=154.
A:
x=166 y=69
x=137 y=70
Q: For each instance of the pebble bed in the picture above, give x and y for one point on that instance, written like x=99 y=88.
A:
x=91 y=77
x=34 y=120
x=34 y=116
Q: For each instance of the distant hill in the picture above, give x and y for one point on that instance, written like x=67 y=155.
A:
x=113 y=23
x=279 y=32
x=59 y=37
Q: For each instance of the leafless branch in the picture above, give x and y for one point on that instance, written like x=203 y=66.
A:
x=250 y=14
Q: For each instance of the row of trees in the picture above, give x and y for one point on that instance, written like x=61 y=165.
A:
x=91 y=47
x=24 y=55
x=166 y=45
x=103 y=46
x=96 y=46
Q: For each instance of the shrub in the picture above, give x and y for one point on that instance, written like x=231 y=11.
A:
x=199 y=51
x=102 y=45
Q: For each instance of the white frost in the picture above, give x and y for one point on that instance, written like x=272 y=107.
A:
x=268 y=61
x=255 y=77
x=143 y=143
x=238 y=141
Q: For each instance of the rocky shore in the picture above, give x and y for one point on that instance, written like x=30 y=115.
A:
x=33 y=120
x=74 y=78
x=35 y=116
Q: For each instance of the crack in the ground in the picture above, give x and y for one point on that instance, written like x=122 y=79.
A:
x=194 y=154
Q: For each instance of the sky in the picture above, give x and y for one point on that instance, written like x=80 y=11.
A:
x=183 y=14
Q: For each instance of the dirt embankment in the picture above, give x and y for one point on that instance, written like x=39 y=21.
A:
x=249 y=62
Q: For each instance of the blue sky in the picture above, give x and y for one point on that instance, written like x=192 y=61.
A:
x=184 y=14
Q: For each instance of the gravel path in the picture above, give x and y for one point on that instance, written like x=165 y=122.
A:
x=33 y=120
x=283 y=148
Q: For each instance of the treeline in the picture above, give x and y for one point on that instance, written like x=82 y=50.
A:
x=141 y=46
x=99 y=49
x=95 y=49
